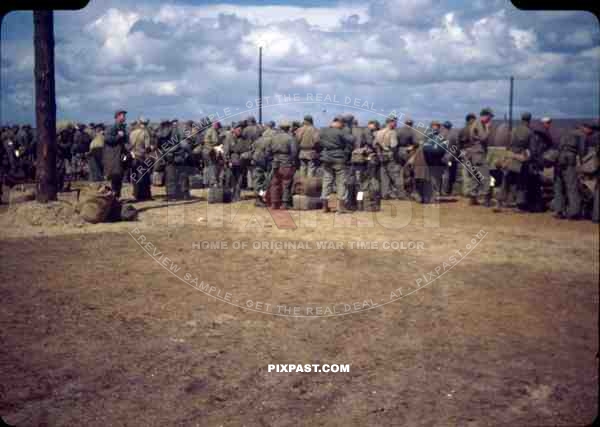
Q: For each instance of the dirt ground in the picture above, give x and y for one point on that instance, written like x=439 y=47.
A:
x=96 y=331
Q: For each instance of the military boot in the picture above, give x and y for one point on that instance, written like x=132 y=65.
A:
x=473 y=201
x=325 y=205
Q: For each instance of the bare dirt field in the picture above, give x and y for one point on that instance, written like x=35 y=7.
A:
x=484 y=319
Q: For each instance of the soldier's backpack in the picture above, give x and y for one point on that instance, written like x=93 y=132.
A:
x=98 y=206
x=305 y=203
x=308 y=186
x=434 y=149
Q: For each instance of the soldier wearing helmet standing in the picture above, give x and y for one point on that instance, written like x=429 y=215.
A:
x=476 y=173
x=308 y=140
x=140 y=147
x=386 y=139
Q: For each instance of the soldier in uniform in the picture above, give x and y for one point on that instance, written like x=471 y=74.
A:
x=308 y=140
x=451 y=138
x=177 y=160
x=591 y=144
x=336 y=147
x=591 y=138
x=294 y=127
x=369 y=135
x=434 y=150
x=237 y=154
x=91 y=130
x=540 y=143
x=407 y=144
x=386 y=139
x=81 y=145
x=476 y=173
x=355 y=134
x=250 y=133
x=596 y=206
x=212 y=156
x=567 y=198
x=514 y=184
x=269 y=128
x=363 y=165
x=283 y=149
x=95 y=154
x=139 y=141
x=5 y=157
x=115 y=142
x=262 y=165
x=64 y=142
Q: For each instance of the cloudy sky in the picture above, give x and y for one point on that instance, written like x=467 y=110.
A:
x=428 y=59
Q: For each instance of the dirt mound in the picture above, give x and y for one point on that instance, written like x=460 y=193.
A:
x=34 y=214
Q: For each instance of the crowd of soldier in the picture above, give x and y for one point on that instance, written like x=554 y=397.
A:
x=379 y=160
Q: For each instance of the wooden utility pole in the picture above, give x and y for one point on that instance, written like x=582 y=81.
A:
x=260 y=85
x=45 y=105
x=510 y=108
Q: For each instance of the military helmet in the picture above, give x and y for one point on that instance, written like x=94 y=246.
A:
x=120 y=112
x=526 y=116
x=284 y=124
x=487 y=111
x=308 y=118
x=447 y=124
x=470 y=116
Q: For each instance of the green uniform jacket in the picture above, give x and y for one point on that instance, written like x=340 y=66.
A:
x=336 y=145
x=114 y=148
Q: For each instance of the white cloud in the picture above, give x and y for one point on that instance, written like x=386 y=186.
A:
x=165 y=88
x=523 y=39
x=580 y=37
x=303 y=80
